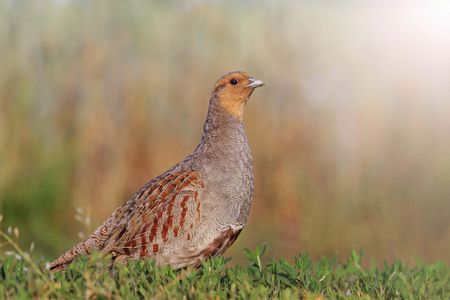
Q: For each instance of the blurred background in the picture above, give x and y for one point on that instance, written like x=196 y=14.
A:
x=350 y=136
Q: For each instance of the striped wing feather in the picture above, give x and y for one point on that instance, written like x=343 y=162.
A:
x=162 y=209
x=159 y=214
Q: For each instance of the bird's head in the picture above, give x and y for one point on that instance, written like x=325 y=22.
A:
x=233 y=90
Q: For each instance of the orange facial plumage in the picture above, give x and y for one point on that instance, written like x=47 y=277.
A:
x=233 y=91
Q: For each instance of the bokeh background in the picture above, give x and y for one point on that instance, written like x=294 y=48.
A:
x=350 y=136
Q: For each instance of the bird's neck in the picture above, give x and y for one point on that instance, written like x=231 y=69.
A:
x=223 y=155
x=223 y=160
x=221 y=128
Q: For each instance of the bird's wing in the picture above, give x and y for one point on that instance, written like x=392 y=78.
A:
x=165 y=210
x=163 y=207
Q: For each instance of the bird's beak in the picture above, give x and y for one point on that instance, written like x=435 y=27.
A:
x=254 y=83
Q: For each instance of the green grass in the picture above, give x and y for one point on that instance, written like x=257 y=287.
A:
x=302 y=279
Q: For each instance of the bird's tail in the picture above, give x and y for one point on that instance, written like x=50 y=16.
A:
x=61 y=262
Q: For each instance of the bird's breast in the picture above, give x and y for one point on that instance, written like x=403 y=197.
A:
x=228 y=174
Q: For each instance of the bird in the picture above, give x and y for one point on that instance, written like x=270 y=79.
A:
x=197 y=208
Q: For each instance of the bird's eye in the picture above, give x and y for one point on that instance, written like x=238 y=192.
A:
x=233 y=81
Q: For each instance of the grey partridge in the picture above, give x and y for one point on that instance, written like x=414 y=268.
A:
x=197 y=208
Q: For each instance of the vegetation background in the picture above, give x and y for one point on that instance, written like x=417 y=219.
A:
x=350 y=136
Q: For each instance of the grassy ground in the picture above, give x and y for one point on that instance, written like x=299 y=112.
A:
x=324 y=279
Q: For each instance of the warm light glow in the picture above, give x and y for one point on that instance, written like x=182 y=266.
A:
x=429 y=17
